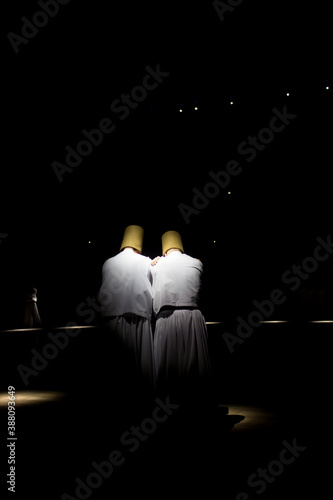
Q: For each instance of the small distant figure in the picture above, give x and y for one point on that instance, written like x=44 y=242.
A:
x=31 y=314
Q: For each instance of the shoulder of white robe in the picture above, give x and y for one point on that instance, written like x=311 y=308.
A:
x=200 y=264
x=106 y=263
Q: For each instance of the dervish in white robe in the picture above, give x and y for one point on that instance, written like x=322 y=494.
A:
x=125 y=297
x=180 y=338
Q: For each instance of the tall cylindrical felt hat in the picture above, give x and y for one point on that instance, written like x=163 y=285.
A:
x=133 y=237
x=171 y=239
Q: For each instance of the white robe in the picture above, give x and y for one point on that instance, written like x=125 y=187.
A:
x=126 y=303
x=126 y=285
x=180 y=337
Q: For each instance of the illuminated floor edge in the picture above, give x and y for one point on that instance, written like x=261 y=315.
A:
x=253 y=417
x=28 y=398
x=319 y=321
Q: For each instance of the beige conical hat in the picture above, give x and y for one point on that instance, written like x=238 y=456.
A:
x=171 y=239
x=133 y=237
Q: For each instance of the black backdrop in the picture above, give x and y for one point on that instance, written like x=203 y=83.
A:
x=66 y=77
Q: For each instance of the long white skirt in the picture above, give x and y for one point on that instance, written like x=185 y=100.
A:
x=135 y=341
x=181 y=350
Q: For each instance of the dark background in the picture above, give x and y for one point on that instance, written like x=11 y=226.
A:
x=65 y=79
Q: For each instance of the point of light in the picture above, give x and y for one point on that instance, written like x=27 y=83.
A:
x=214 y=241
x=229 y=192
x=327 y=88
x=287 y=94
x=231 y=102
x=180 y=111
x=89 y=242
x=196 y=109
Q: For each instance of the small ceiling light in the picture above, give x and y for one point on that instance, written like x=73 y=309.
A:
x=231 y=102
x=180 y=111
x=287 y=94
x=327 y=88
x=196 y=109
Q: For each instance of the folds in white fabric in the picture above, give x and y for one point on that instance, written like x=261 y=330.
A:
x=181 y=349
x=135 y=341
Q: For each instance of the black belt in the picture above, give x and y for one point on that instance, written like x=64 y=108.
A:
x=166 y=311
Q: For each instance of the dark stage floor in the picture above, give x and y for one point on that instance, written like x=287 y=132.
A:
x=267 y=436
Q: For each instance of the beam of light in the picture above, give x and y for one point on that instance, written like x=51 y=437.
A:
x=322 y=321
x=275 y=321
x=74 y=327
x=22 y=330
x=51 y=328
x=23 y=398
